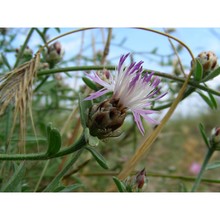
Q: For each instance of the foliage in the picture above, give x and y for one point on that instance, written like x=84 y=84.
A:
x=45 y=142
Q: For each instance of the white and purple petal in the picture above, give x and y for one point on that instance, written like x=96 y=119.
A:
x=134 y=91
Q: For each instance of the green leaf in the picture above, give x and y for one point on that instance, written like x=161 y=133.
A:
x=89 y=83
x=84 y=106
x=49 y=128
x=212 y=99
x=15 y=180
x=212 y=75
x=213 y=165
x=91 y=140
x=71 y=187
x=57 y=29
x=120 y=185
x=5 y=61
x=54 y=140
x=98 y=157
x=56 y=181
x=205 y=138
x=206 y=99
x=198 y=71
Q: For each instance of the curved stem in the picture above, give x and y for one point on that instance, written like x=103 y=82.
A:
x=205 y=162
x=43 y=156
x=63 y=35
x=169 y=36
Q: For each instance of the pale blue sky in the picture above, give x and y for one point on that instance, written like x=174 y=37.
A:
x=198 y=39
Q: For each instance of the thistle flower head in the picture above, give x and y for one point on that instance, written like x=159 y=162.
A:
x=54 y=54
x=131 y=89
x=215 y=135
x=208 y=60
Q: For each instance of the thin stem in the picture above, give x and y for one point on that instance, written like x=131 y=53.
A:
x=41 y=176
x=205 y=162
x=169 y=36
x=107 y=45
x=147 y=144
x=21 y=51
x=165 y=75
x=60 y=175
x=63 y=35
x=42 y=35
x=43 y=156
x=152 y=174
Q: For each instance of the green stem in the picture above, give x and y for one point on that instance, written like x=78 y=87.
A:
x=42 y=35
x=205 y=162
x=41 y=176
x=21 y=51
x=186 y=94
x=165 y=75
x=43 y=156
x=51 y=187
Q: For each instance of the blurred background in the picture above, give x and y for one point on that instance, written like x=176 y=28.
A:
x=179 y=150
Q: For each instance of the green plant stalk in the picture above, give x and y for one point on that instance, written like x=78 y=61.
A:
x=151 y=174
x=23 y=47
x=164 y=75
x=61 y=174
x=41 y=176
x=43 y=156
x=205 y=162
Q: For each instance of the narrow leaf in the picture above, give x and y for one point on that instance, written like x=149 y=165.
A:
x=54 y=142
x=213 y=165
x=212 y=99
x=5 y=61
x=212 y=75
x=98 y=157
x=202 y=131
x=15 y=180
x=56 y=181
x=198 y=71
x=84 y=106
x=71 y=187
x=57 y=29
x=120 y=185
x=206 y=99
x=89 y=83
x=91 y=140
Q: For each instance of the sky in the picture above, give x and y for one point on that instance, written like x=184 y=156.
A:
x=94 y=13
x=130 y=39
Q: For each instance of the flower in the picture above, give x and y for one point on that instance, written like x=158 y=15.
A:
x=54 y=54
x=208 y=60
x=195 y=168
x=131 y=89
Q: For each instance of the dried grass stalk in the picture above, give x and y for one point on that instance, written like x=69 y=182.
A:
x=16 y=89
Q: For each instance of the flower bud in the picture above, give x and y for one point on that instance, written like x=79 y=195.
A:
x=208 y=60
x=105 y=118
x=140 y=179
x=215 y=135
x=54 y=54
x=27 y=54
